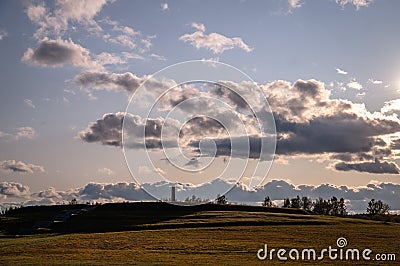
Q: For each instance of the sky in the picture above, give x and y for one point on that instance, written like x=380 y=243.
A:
x=329 y=70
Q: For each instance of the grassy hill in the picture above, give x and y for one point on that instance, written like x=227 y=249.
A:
x=133 y=216
x=162 y=234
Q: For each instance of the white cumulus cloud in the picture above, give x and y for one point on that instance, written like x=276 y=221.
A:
x=215 y=42
x=341 y=71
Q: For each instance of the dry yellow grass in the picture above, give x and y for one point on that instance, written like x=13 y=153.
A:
x=228 y=245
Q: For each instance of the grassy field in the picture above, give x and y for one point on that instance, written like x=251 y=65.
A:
x=202 y=236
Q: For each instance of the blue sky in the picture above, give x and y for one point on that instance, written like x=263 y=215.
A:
x=345 y=48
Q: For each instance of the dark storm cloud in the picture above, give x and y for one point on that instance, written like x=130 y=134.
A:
x=20 y=167
x=339 y=134
x=376 y=167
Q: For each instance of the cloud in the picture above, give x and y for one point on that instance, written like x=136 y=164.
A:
x=55 y=21
x=302 y=101
x=338 y=134
x=20 y=167
x=202 y=126
x=376 y=167
x=122 y=191
x=158 y=57
x=361 y=95
x=373 y=81
x=391 y=106
x=123 y=40
x=105 y=58
x=56 y=53
x=127 y=56
x=341 y=71
x=357 y=3
x=245 y=147
x=3 y=134
x=29 y=103
x=81 y=11
x=66 y=17
x=126 y=82
x=293 y=4
x=127 y=37
x=199 y=26
x=50 y=193
x=3 y=34
x=308 y=123
x=19 y=133
x=214 y=42
x=123 y=29
x=395 y=144
x=107 y=130
x=25 y=132
x=164 y=6
x=105 y=171
x=357 y=197
x=120 y=82
x=12 y=189
x=354 y=85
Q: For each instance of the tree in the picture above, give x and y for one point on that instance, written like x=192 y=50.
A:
x=73 y=201
x=322 y=206
x=334 y=206
x=306 y=203
x=195 y=199
x=295 y=203
x=342 y=207
x=286 y=203
x=377 y=208
x=267 y=202
x=221 y=199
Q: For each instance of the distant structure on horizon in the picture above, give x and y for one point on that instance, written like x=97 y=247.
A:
x=173 y=196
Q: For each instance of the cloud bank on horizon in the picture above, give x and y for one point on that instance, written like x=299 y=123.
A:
x=14 y=194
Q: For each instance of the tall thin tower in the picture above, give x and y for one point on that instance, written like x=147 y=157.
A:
x=173 y=198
